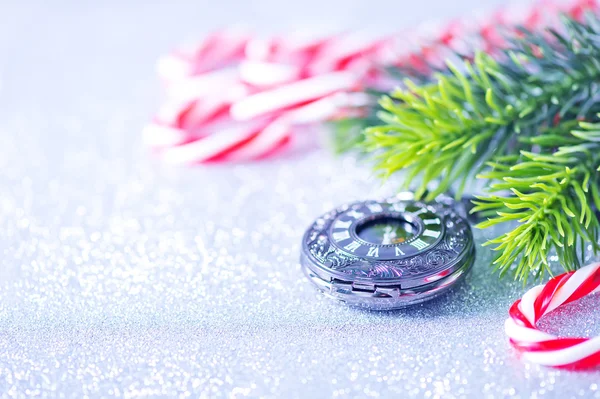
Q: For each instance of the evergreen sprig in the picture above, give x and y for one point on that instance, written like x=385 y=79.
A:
x=554 y=201
x=508 y=122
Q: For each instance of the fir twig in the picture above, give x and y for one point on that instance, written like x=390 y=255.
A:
x=508 y=122
x=553 y=202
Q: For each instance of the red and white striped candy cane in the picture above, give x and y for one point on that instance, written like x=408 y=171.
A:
x=258 y=92
x=216 y=51
x=547 y=349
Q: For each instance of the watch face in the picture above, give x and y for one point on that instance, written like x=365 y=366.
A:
x=386 y=231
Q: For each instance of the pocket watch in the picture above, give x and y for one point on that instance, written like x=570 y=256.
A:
x=388 y=254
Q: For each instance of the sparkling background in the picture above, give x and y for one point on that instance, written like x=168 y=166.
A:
x=122 y=277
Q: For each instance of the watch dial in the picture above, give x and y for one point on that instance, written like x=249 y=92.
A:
x=386 y=231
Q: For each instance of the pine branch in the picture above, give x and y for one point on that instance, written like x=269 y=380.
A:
x=554 y=199
x=444 y=128
x=507 y=122
x=435 y=130
x=348 y=132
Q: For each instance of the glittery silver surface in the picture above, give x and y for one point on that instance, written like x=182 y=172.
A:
x=122 y=277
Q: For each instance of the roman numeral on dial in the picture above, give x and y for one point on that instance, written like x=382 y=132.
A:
x=431 y=233
x=339 y=224
x=419 y=244
x=375 y=208
x=340 y=235
x=399 y=252
x=373 y=251
x=353 y=246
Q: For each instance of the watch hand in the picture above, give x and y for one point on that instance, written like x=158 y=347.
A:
x=387 y=230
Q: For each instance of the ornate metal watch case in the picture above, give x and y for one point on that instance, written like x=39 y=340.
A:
x=388 y=254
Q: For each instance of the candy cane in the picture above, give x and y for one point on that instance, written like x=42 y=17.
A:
x=232 y=79
x=547 y=349
x=214 y=52
x=212 y=146
x=299 y=92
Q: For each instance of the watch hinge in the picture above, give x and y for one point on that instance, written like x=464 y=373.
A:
x=338 y=286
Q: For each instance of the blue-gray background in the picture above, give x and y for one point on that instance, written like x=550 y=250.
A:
x=122 y=277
